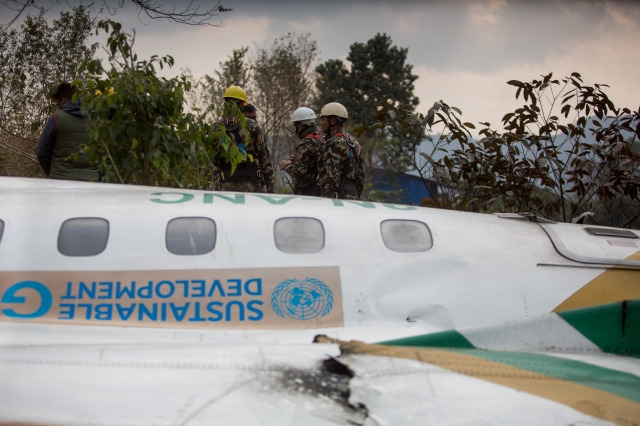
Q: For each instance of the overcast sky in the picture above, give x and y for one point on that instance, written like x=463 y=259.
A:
x=463 y=51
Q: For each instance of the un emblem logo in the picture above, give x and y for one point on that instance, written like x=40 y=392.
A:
x=302 y=300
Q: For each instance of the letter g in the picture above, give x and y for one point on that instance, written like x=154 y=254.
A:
x=11 y=296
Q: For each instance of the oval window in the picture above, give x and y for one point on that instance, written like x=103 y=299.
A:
x=406 y=236
x=299 y=235
x=83 y=236
x=188 y=236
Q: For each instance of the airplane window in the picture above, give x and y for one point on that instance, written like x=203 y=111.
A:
x=1 y=229
x=83 y=236
x=191 y=235
x=406 y=236
x=299 y=235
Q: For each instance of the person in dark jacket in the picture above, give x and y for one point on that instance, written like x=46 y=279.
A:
x=60 y=145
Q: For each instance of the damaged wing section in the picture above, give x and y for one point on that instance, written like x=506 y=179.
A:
x=174 y=384
x=575 y=367
x=581 y=367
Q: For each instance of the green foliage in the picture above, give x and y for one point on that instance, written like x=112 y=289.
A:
x=378 y=73
x=34 y=60
x=432 y=165
x=578 y=159
x=141 y=134
x=227 y=147
x=556 y=168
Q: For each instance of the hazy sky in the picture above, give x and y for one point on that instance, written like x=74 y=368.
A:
x=463 y=51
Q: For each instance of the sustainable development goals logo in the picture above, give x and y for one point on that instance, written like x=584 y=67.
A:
x=269 y=298
x=302 y=300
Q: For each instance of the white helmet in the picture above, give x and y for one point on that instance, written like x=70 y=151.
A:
x=334 y=108
x=303 y=115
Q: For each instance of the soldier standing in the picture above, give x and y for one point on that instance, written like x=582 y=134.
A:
x=256 y=171
x=342 y=172
x=303 y=166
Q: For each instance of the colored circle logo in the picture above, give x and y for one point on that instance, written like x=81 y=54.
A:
x=302 y=299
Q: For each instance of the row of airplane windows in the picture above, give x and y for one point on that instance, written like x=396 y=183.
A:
x=189 y=236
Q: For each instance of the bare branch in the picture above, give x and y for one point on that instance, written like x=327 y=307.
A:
x=191 y=13
x=20 y=8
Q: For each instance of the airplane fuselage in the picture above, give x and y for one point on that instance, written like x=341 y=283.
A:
x=284 y=267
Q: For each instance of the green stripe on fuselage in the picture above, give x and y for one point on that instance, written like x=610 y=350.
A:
x=625 y=385
x=444 y=339
x=614 y=327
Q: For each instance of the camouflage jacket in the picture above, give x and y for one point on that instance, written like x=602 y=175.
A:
x=305 y=163
x=342 y=162
x=257 y=148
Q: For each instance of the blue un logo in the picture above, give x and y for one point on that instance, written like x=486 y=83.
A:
x=302 y=300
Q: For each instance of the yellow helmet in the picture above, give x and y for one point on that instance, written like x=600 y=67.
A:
x=236 y=92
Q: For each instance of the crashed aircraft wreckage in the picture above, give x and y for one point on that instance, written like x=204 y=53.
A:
x=139 y=305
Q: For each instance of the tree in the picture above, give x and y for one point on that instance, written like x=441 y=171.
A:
x=184 y=13
x=235 y=71
x=141 y=134
x=378 y=74
x=277 y=78
x=33 y=61
x=557 y=169
x=281 y=82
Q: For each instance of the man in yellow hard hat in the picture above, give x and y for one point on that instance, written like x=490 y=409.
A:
x=256 y=172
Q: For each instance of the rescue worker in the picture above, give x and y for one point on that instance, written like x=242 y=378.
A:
x=342 y=172
x=256 y=172
x=60 y=145
x=249 y=111
x=303 y=165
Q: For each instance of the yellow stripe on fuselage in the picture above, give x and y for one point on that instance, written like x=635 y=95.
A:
x=613 y=285
x=588 y=400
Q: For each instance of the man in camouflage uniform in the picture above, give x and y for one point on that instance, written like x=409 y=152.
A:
x=303 y=165
x=249 y=176
x=342 y=171
x=250 y=111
